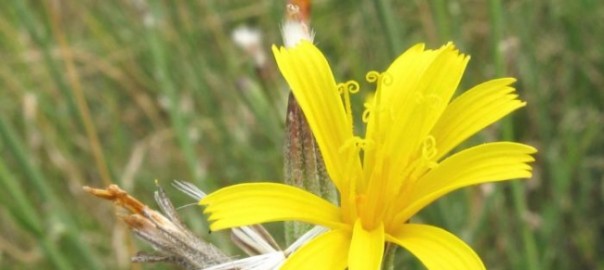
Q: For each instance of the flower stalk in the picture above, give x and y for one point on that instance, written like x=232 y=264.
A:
x=303 y=163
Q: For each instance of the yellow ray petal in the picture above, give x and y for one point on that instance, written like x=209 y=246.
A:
x=474 y=110
x=366 y=248
x=419 y=113
x=308 y=74
x=480 y=164
x=254 y=203
x=414 y=100
x=436 y=248
x=328 y=251
x=397 y=81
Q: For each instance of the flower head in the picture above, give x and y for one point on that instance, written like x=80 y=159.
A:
x=397 y=168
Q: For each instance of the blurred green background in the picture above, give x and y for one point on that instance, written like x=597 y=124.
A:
x=93 y=92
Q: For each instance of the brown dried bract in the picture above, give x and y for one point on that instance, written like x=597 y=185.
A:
x=119 y=196
x=165 y=232
x=298 y=10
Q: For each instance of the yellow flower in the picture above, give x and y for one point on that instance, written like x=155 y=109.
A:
x=395 y=170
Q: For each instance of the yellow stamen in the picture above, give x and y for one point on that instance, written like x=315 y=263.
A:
x=345 y=89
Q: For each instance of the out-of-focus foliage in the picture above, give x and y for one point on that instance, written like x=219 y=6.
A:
x=93 y=92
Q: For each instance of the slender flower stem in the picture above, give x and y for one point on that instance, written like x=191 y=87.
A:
x=391 y=28
x=518 y=189
x=528 y=239
x=389 y=255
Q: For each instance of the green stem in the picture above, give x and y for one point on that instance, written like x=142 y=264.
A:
x=528 y=239
x=391 y=26
x=389 y=255
x=496 y=11
x=442 y=20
